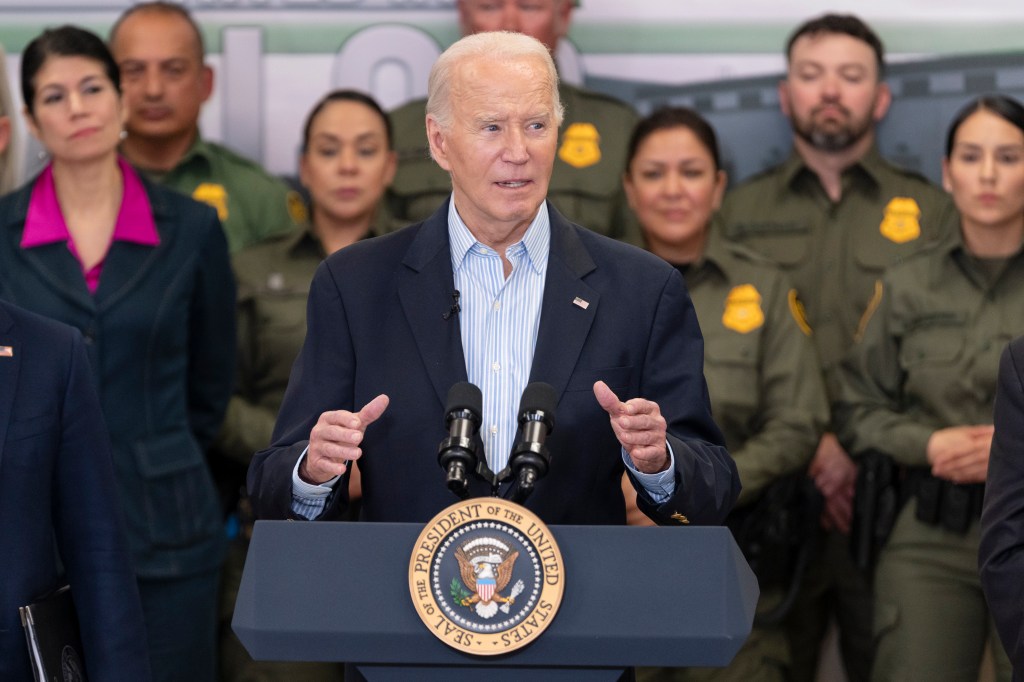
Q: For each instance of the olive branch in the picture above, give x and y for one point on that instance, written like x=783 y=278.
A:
x=459 y=591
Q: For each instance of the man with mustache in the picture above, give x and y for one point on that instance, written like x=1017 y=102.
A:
x=159 y=49
x=834 y=216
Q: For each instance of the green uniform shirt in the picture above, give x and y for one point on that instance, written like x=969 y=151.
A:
x=929 y=358
x=586 y=182
x=763 y=375
x=835 y=252
x=250 y=203
x=273 y=284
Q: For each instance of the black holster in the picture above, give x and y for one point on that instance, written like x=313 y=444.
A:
x=878 y=498
x=944 y=503
x=778 y=537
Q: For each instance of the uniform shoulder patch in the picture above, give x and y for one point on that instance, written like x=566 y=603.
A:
x=869 y=310
x=798 y=311
x=743 y=312
x=901 y=222
x=581 y=145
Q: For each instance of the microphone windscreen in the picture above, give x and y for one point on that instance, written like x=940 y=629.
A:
x=465 y=396
x=539 y=397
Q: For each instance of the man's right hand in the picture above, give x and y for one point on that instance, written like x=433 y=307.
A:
x=334 y=441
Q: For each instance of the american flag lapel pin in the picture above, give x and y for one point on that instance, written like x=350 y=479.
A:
x=581 y=303
x=6 y=352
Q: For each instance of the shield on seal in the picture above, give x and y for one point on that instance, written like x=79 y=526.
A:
x=485 y=588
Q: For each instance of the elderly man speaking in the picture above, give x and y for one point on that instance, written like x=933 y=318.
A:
x=498 y=289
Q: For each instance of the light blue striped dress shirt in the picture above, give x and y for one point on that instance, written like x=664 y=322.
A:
x=499 y=322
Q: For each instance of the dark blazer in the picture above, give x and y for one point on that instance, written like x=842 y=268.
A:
x=160 y=338
x=56 y=481
x=375 y=325
x=1001 y=551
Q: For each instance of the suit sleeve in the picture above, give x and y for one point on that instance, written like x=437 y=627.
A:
x=1001 y=550
x=91 y=535
x=211 y=363
x=706 y=482
x=322 y=379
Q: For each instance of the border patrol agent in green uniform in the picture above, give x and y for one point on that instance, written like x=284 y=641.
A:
x=763 y=375
x=768 y=399
x=920 y=389
x=346 y=138
x=586 y=180
x=159 y=49
x=929 y=360
x=834 y=216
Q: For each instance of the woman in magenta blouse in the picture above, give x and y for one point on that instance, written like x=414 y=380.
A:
x=144 y=274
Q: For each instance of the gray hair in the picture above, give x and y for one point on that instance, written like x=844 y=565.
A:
x=499 y=46
x=8 y=158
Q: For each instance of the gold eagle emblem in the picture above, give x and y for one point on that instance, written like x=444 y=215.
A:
x=485 y=566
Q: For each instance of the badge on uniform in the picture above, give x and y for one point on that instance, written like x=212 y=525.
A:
x=902 y=220
x=743 y=311
x=296 y=208
x=580 y=145
x=214 y=195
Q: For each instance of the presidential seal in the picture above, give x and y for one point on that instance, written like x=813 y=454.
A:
x=486 y=576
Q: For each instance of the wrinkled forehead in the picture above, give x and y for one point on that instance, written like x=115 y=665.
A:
x=487 y=83
x=156 y=34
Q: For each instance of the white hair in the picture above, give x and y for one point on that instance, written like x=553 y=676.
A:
x=499 y=46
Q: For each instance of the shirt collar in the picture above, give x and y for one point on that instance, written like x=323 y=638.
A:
x=536 y=240
x=870 y=164
x=199 y=149
x=44 y=222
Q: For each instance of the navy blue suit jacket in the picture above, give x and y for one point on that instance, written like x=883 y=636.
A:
x=1001 y=551
x=159 y=333
x=375 y=326
x=57 y=481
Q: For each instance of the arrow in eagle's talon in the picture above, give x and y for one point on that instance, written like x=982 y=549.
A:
x=516 y=590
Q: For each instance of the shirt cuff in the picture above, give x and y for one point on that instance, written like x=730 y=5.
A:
x=659 y=486
x=309 y=499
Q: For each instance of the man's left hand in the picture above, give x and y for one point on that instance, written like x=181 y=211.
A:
x=835 y=475
x=640 y=428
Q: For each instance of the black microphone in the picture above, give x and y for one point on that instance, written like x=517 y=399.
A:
x=530 y=458
x=457 y=454
x=455 y=309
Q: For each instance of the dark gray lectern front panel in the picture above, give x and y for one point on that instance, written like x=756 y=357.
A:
x=633 y=596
